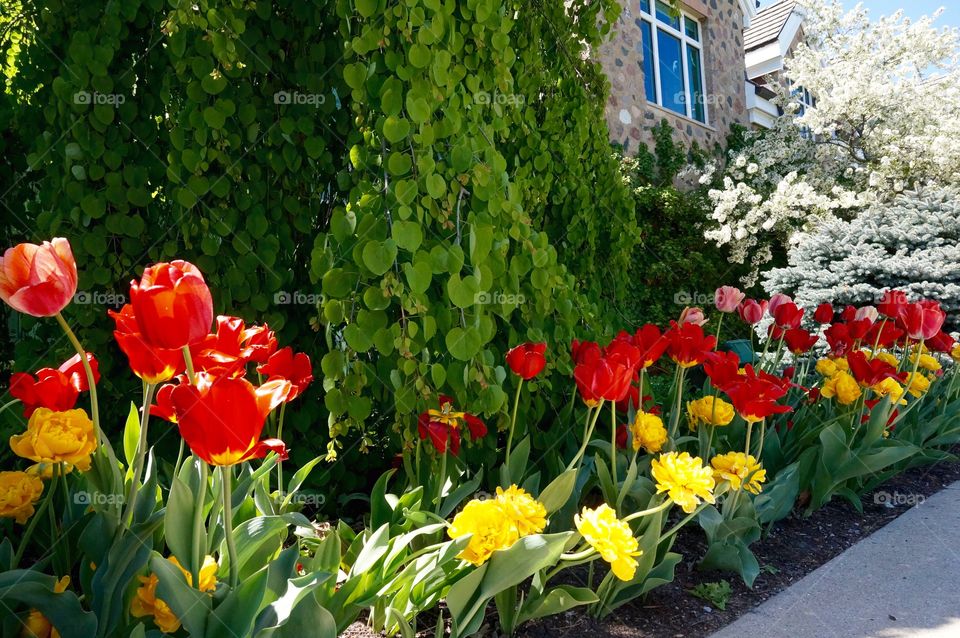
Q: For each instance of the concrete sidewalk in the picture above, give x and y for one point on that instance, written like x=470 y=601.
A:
x=903 y=580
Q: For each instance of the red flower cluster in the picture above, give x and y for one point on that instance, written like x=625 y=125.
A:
x=754 y=394
x=54 y=389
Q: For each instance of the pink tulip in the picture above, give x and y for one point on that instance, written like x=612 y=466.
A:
x=38 y=280
x=727 y=298
x=752 y=311
x=778 y=300
x=693 y=315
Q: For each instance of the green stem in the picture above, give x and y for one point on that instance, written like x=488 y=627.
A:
x=37 y=515
x=443 y=478
x=763 y=429
x=188 y=361
x=513 y=420
x=8 y=404
x=647 y=512
x=586 y=436
x=91 y=382
x=719 y=324
x=140 y=455
x=198 y=519
x=746 y=448
x=676 y=528
x=675 y=417
x=579 y=555
x=613 y=440
x=226 y=473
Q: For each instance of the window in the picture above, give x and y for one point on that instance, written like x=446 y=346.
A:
x=672 y=60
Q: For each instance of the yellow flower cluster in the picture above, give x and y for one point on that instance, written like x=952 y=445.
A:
x=841 y=385
x=146 y=603
x=648 y=432
x=889 y=386
x=829 y=367
x=709 y=410
x=917 y=384
x=57 y=437
x=36 y=624
x=497 y=523
x=684 y=478
x=611 y=537
x=739 y=469
x=926 y=362
x=19 y=492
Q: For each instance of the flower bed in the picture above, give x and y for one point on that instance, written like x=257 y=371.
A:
x=675 y=431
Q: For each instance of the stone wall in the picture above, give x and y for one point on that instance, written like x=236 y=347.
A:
x=630 y=117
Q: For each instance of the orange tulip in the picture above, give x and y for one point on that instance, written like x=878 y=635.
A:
x=153 y=365
x=172 y=304
x=221 y=419
x=38 y=280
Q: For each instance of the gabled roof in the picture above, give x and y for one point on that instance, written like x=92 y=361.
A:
x=767 y=25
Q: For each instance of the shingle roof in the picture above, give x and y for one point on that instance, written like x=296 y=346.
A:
x=767 y=24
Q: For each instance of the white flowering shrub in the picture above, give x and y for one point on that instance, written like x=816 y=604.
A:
x=881 y=126
x=912 y=244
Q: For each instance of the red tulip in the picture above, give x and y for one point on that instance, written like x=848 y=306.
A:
x=755 y=396
x=723 y=368
x=621 y=350
x=922 y=319
x=259 y=343
x=650 y=343
x=163 y=408
x=172 y=304
x=527 y=360
x=582 y=351
x=893 y=303
x=622 y=436
x=788 y=315
x=603 y=379
x=800 y=341
x=869 y=372
x=38 y=280
x=859 y=328
x=55 y=390
x=295 y=368
x=442 y=427
x=849 y=313
x=727 y=298
x=778 y=300
x=221 y=419
x=884 y=334
x=941 y=342
x=838 y=337
x=153 y=365
x=688 y=346
x=751 y=312
x=823 y=313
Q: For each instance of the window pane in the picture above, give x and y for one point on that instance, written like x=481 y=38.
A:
x=645 y=5
x=671 y=73
x=649 y=87
x=665 y=15
x=696 y=84
x=692 y=28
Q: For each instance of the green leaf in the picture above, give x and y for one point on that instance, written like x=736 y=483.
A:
x=419 y=275
x=557 y=493
x=395 y=129
x=36 y=590
x=463 y=292
x=379 y=256
x=436 y=187
x=366 y=8
x=131 y=437
x=463 y=343
x=190 y=605
x=556 y=601
x=407 y=235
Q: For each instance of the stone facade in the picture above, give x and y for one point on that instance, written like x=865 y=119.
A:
x=630 y=116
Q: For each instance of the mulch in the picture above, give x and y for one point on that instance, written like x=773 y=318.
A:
x=794 y=547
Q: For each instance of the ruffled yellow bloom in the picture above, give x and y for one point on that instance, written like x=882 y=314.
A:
x=648 y=432
x=829 y=367
x=490 y=527
x=525 y=513
x=146 y=603
x=19 y=492
x=612 y=538
x=889 y=386
x=926 y=362
x=917 y=384
x=57 y=437
x=36 y=624
x=955 y=353
x=886 y=357
x=709 y=410
x=684 y=478
x=843 y=386
x=739 y=469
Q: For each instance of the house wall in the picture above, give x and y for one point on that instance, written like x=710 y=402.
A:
x=630 y=117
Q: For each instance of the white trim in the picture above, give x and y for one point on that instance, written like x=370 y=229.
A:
x=749 y=9
x=770 y=57
x=656 y=25
x=762 y=111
